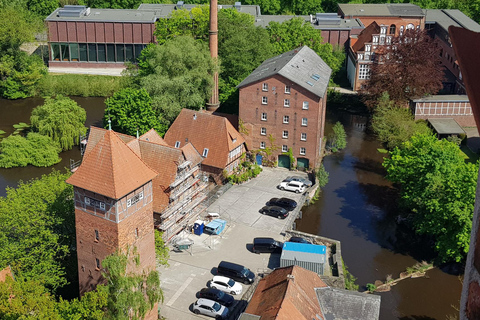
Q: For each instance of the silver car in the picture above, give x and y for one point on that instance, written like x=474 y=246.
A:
x=306 y=182
x=210 y=308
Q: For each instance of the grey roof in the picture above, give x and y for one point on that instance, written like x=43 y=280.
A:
x=301 y=66
x=106 y=15
x=444 y=98
x=450 y=17
x=341 y=304
x=445 y=126
x=381 y=9
x=163 y=10
x=263 y=21
x=247 y=316
x=291 y=255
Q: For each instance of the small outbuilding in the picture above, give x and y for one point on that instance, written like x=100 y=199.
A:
x=308 y=256
x=445 y=127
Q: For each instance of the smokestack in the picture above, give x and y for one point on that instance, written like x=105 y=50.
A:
x=213 y=104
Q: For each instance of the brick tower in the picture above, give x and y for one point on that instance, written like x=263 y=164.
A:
x=214 y=103
x=113 y=208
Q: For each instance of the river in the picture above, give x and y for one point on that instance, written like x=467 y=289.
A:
x=356 y=207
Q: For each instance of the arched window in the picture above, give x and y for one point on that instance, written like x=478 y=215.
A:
x=392 y=29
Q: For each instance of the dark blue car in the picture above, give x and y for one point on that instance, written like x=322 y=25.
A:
x=216 y=295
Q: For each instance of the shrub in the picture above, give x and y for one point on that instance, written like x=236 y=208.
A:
x=78 y=85
x=371 y=287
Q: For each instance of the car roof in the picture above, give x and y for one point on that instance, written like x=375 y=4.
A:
x=206 y=302
x=221 y=278
x=286 y=200
x=276 y=207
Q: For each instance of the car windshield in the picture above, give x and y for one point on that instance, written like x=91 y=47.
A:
x=231 y=283
x=220 y=294
x=245 y=271
x=216 y=306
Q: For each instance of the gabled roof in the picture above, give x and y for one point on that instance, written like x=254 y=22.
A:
x=191 y=154
x=380 y=10
x=111 y=168
x=205 y=131
x=339 y=304
x=287 y=293
x=153 y=136
x=365 y=37
x=450 y=17
x=302 y=66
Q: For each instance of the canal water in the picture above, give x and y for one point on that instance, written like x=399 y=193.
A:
x=356 y=207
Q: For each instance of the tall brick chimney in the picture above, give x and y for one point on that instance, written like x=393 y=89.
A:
x=213 y=104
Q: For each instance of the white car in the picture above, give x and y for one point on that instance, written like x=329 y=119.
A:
x=226 y=285
x=210 y=308
x=294 y=186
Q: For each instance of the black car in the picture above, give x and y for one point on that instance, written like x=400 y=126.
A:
x=275 y=211
x=266 y=245
x=299 y=240
x=216 y=295
x=285 y=203
x=236 y=272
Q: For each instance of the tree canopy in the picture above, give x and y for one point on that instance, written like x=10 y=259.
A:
x=438 y=187
x=60 y=118
x=409 y=68
x=176 y=75
x=130 y=110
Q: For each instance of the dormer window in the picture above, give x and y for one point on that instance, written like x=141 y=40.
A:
x=205 y=152
x=375 y=39
x=368 y=47
x=265 y=87
x=177 y=144
x=234 y=140
x=383 y=30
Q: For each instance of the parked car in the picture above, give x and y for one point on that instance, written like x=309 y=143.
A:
x=236 y=272
x=210 y=308
x=299 y=240
x=226 y=285
x=294 y=186
x=216 y=295
x=266 y=245
x=274 y=211
x=285 y=203
x=305 y=181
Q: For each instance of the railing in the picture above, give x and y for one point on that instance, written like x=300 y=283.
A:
x=74 y=164
x=182 y=176
x=179 y=205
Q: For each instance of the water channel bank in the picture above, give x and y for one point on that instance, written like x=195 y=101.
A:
x=356 y=207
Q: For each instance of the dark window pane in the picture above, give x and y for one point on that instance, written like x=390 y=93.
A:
x=138 y=50
x=92 y=52
x=74 y=51
x=83 y=51
x=129 y=52
x=101 y=52
x=55 y=51
x=120 y=52
x=110 y=52
x=65 y=52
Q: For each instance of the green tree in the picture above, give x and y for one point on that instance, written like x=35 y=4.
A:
x=177 y=74
x=337 y=140
x=92 y=306
x=35 y=149
x=393 y=124
x=438 y=187
x=267 y=6
x=130 y=110
x=60 y=118
x=37 y=229
x=162 y=251
x=42 y=7
x=295 y=33
x=130 y=296
x=322 y=175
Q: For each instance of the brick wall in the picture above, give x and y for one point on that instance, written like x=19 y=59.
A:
x=460 y=111
x=251 y=109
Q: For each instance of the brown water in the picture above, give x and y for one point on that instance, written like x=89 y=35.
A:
x=15 y=111
x=357 y=207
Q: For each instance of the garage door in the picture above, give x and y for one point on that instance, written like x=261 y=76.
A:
x=302 y=163
x=284 y=161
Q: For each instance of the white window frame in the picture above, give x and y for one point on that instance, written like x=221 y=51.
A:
x=303 y=151
x=363 y=71
x=285 y=134
x=304 y=122
x=284 y=148
x=264 y=116
x=262 y=145
x=263 y=131
x=286 y=119
x=287 y=89
x=264 y=100
x=265 y=86
x=305 y=105
x=383 y=30
x=177 y=144
x=303 y=136
x=286 y=103
x=375 y=39
x=368 y=47
x=205 y=152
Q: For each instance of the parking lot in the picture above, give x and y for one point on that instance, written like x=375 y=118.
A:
x=191 y=270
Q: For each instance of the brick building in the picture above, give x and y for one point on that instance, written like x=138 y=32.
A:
x=283 y=102
x=219 y=143
x=122 y=188
x=383 y=21
x=444 y=106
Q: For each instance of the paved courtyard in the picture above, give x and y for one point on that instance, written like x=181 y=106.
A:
x=190 y=271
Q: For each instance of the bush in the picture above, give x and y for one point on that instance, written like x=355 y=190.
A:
x=322 y=176
x=371 y=287
x=245 y=171
x=78 y=85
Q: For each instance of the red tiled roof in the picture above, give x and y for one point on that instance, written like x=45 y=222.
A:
x=96 y=134
x=154 y=137
x=365 y=37
x=191 y=154
x=110 y=167
x=287 y=293
x=464 y=43
x=205 y=130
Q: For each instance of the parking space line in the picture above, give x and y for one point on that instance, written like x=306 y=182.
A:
x=179 y=292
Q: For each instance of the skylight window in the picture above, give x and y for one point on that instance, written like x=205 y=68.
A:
x=315 y=77
x=309 y=83
x=205 y=153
